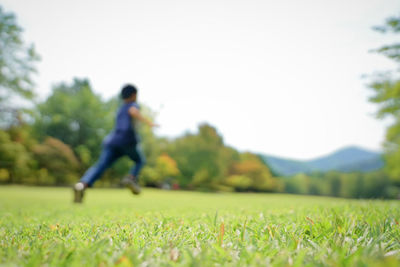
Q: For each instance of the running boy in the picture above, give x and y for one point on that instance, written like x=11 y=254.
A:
x=123 y=140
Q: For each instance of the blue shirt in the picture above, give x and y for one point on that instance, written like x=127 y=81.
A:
x=124 y=132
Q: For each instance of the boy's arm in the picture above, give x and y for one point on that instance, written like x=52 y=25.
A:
x=135 y=113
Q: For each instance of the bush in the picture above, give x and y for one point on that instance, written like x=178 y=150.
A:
x=239 y=182
x=59 y=160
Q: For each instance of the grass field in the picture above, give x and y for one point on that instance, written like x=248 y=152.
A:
x=42 y=227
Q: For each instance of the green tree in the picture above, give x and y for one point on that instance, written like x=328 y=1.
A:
x=166 y=166
x=17 y=64
x=386 y=87
x=77 y=116
x=298 y=184
x=351 y=185
x=165 y=170
x=198 y=157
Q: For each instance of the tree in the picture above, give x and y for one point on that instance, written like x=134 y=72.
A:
x=17 y=64
x=298 y=184
x=386 y=87
x=252 y=167
x=164 y=170
x=77 y=116
x=166 y=166
x=198 y=157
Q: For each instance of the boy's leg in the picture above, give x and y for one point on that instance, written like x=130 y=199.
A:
x=135 y=153
x=107 y=158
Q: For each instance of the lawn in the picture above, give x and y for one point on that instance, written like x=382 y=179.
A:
x=41 y=226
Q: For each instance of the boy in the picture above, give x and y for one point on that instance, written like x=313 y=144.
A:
x=122 y=141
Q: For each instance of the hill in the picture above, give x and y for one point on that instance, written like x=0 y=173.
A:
x=344 y=160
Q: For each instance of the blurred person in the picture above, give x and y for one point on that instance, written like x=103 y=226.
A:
x=122 y=141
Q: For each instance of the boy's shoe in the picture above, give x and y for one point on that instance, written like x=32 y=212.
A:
x=130 y=182
x=79 y=190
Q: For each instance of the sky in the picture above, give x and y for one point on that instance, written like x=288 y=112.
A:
x=283 y=78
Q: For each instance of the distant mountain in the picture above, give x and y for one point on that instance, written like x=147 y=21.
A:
x=345 y=160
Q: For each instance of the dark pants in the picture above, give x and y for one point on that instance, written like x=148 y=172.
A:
x=108 y=156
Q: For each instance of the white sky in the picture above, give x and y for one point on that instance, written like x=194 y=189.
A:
x=277 y=77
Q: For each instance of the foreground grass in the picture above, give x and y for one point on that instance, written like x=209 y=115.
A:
x=40 y=226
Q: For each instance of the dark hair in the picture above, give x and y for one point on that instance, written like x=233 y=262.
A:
x=127 y=91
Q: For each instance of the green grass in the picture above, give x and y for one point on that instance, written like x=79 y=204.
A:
x=41 y=227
